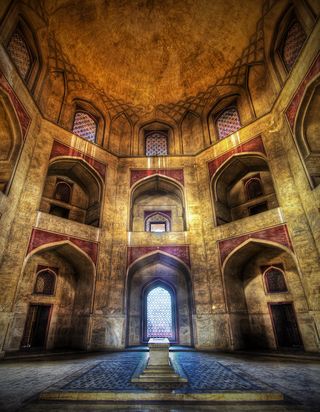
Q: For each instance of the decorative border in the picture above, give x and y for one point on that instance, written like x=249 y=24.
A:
x=253 y=145
x=60 y=149
x=148 y=213
x=22 y=114
x=41 y=237
x=135 y=252
x=138 y=174
x=278 y=234
x=292 y=109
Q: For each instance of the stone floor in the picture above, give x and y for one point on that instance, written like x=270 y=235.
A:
x=22 y=380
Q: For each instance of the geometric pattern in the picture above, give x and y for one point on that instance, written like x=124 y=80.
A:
x=19 y=53
x=203 y=372
x=275 y=282
x=156 y=144
x=45 y=283
x=228 y=122
x=159 y=313
x=293 y=43
x=157 y=218
x=85 y=126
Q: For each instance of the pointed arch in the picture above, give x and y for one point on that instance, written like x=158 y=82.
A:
x=192 y=133
x=157 y=184
x=136 y=283
x=10 y=141
x=120 y=135
x=87 y=190
x=228 y=192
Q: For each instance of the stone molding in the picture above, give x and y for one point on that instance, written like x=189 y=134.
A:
x=41 y=237
x=253 y=145
x=292 y=109
x=277 y=234
x=60 y=149
x=23 y=116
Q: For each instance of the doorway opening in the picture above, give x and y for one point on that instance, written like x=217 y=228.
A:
x=285 y=326
x=35 y=332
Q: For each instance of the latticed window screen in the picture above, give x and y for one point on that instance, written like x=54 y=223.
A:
x=293 y=42
x=45 y=283
x=63 y=191
x=254 y=188
x=228 y=122
x=159 y=314
x=19 y=53
x=157 y=143
x=275 y=282
x=85 y=126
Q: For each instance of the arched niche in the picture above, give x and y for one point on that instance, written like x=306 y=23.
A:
x=231 y=198
x=237 y=104
x=10 y=141
x=91 y=117
x=61 y=319
x=86 y=188
x=165 y=129
x=53 y=94
x=155 y=194
x=159 y=269
x=260 y=89
x=255 y=314
x=307 y=132
x=288 y=40
x=120 y=139
x=23 y=48
x=192 y=133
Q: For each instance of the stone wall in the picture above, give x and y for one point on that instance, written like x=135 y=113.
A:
x=218 y=289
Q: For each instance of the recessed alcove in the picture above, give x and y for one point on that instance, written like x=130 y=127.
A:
x=241 y=187
x=59 y=319
x=157 y=197
x=260 y=319
x=72 y=190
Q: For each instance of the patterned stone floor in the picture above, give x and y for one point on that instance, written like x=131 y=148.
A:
x=22 y=381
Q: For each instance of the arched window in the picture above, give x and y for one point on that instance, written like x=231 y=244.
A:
x=275 y=281
x=45 y=282
x=157 y=222
x=63 y=191
x=228 y=122
x=156 y=142
x=253 y=188
x=20 y=53
x=292 y=43
x=85 y=125
x=159 y=314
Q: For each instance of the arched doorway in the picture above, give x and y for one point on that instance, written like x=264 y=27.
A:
x=54 y=302
x=159 y=312
x=159 y=290
x=265 y=298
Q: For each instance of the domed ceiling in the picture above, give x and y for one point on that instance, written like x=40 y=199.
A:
x=151 y=52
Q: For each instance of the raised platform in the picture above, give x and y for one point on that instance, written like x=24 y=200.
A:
x=208 y=381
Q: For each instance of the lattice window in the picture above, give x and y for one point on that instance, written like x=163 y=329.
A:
x=157 y=222
x=62 y=191
x=45 y=283
x=159 y=314
x=253 y=188
x=292 y=44
x=20 y=53
x=275 y=281
x=156 y=143
x=228 y=122
x=85 y=126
